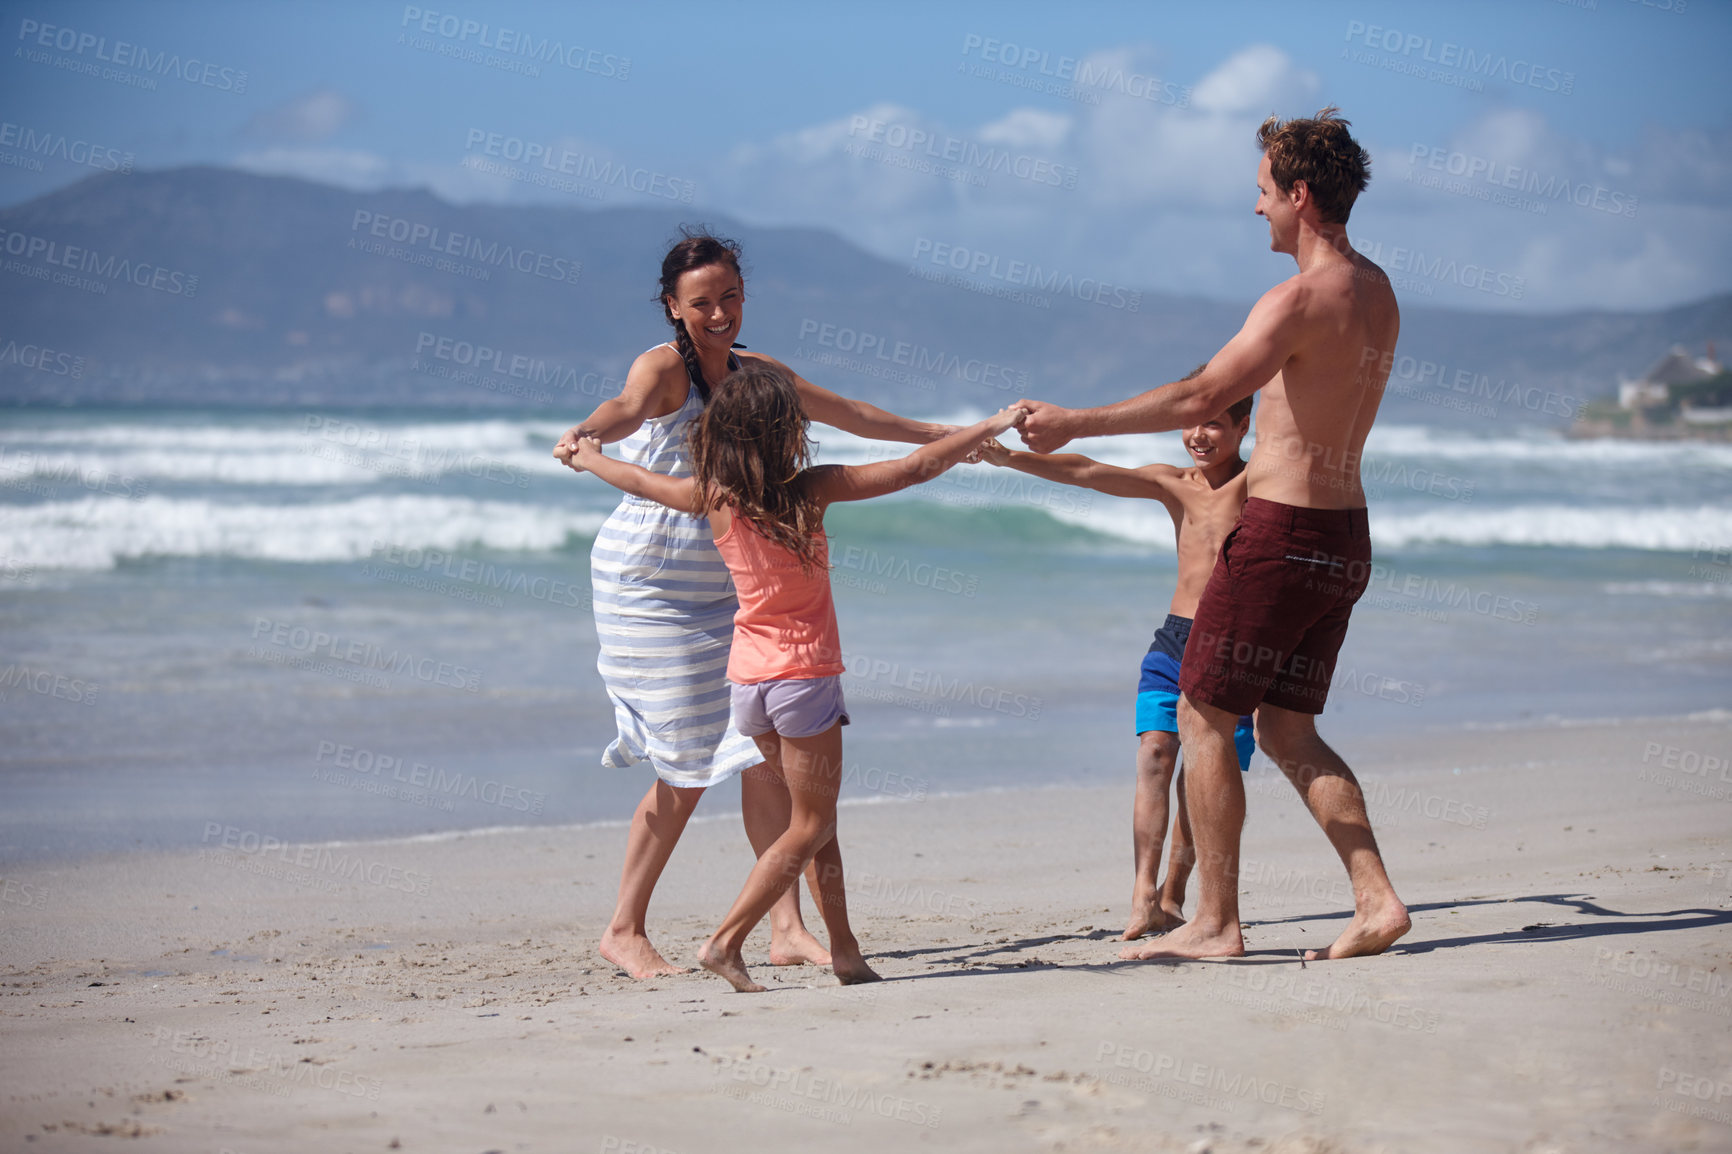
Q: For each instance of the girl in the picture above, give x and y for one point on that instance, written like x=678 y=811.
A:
x=664 y=606
x=753 y=478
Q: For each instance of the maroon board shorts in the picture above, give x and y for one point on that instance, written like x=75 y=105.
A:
x=1275 y=610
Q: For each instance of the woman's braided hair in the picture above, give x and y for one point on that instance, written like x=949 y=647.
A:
x=697 y=248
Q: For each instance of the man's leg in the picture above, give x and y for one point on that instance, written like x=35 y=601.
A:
x=1156 y=755
x=1215 y=797
x=1332 y=794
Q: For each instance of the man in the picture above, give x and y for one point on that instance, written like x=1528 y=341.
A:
x=1275 y=611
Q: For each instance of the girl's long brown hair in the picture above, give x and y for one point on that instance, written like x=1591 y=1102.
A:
x=749 y=450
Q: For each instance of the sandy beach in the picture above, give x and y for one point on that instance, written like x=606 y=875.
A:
x=1567 y=985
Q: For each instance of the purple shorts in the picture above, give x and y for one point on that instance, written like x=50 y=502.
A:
x=803 y=708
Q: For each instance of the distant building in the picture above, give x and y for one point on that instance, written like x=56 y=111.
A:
x=1677 y=367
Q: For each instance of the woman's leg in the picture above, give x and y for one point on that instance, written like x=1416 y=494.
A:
x=766 y=808
x=655 y=828
x=812 y=767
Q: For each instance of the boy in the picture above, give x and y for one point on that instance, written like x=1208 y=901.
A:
x=1204 y=502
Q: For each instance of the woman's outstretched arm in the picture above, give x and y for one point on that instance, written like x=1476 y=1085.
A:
x=858 y=417
x=859 y=482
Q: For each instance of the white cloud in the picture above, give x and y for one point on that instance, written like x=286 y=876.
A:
x=1258 y=81
x=307 y=119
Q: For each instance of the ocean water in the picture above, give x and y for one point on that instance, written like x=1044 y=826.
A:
x=316 y=626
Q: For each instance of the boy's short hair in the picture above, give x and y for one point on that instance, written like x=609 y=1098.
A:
x=1320 y=151
x=1238 y=410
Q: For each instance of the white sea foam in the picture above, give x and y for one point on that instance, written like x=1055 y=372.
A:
x=99 y=532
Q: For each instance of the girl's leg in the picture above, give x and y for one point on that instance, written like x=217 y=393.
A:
x=656 y=826
x=766 y=807
x=812 y=767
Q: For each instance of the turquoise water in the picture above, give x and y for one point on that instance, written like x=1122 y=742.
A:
x=332 y=626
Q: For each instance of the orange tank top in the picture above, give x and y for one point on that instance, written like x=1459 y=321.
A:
x=785 y=629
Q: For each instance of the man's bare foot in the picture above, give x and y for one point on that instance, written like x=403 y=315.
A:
x=851 y=969
x=1189 y=941
x=1146 y=920
x=1370 y=932
x=634 y=954
x=797 y=948
x=728 y=965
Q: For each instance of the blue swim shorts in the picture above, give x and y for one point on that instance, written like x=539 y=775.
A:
x=1158 y=688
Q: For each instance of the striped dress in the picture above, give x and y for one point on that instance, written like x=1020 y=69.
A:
x=664 y=615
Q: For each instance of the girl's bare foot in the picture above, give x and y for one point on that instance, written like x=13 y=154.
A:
x=634 y=954
x=728 y=965
x=797 y=948
x=1189 y=941
x=1370 y=932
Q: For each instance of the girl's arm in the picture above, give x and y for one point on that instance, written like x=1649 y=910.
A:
x=859 y=482
x=857 y=417
x=648 y=392
x=1150 y=481
x=679 y=493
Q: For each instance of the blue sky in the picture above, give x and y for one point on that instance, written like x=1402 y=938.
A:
x=1529 y=154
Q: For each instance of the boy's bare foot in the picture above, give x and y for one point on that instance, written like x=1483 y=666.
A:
x=1147 y=920
x=1189 y=941
x=798 y=948
x=634 y=954
x=851 y=969
x=728 y=965
x=1370 y=932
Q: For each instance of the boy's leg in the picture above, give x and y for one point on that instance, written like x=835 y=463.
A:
x=1332 y=794
x=766 y=808
x=656 y=826
x=1180 y=858
x=1157 y=752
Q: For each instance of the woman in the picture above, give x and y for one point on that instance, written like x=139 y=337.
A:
x=664 y=604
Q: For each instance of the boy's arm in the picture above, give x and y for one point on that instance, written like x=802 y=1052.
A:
x=680 y=493
x=1153 y=482
x=859 y=482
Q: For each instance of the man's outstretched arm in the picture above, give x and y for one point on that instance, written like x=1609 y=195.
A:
x=1245 y=364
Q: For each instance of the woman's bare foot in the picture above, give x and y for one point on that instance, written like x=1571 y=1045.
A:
x=728 y=965
x=634 y=954
x=1370 y=932
x=797 y=948
x=1189 y=941
x=1147 y=920
x=851 y=969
